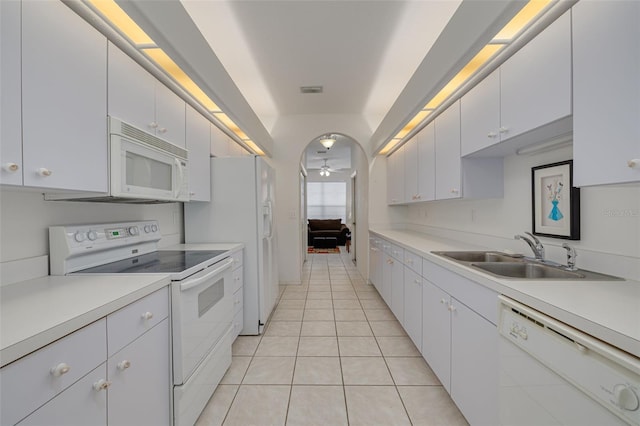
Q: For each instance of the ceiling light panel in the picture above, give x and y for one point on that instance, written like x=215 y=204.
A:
x=518 y=23
x=110 y=10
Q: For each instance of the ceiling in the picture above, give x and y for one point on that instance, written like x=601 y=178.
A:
x=338 y=156
x=380 y=59
x=363 y=53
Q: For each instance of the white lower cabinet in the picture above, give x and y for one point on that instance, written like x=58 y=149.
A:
x=139 y=393
x=79 y=405
x=82 y=380
x=474 y=365
x=238 y=294
x=436 y=332
x=412 y=320
x=460 y=341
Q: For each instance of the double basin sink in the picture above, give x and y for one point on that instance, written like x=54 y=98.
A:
x=503 y=265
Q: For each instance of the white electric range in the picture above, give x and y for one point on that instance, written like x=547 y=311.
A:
x=201 y=297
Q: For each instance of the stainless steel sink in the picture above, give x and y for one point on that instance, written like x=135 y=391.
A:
x=478 y=256
x=537 y=271
x=502 y=265
x=527 y=270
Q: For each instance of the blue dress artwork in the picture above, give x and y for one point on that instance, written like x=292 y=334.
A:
x=554 y=196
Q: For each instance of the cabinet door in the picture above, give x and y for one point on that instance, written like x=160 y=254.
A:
x=140 y=392
x=411 y=170
x=397 y=289
x=79 y=405
x=436 y=332
x=170 y=115
x=387 y=278
x=535 y=83
x=448 y=169
x=427 y=163
x=474 y=365
x=413 y=306
x=395 y=177
x=606 y=92
x=480 y=115
x=219 y=142
x=10 y=97
x=198 y=145
x=131 y=91
x=64 y=99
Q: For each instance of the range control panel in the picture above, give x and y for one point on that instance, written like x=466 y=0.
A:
x=72 y=247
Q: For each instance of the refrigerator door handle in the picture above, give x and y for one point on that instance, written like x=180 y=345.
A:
x=268 y=213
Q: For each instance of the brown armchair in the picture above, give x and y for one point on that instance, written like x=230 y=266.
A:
x=327 y=228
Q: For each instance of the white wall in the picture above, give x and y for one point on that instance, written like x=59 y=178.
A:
x=610 y=219
x=25 y=218
x=291 y=135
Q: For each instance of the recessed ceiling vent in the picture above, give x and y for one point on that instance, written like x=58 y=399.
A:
x=311 y=89
x=321 y=152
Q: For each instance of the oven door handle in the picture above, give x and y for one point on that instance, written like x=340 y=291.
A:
x=197 y=281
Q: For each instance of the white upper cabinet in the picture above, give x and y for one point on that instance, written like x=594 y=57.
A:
x=606 y=92
x=10 y=97
x=535 y=83
x=170 y=115
x=138 y=98
x=64 y=99
x=198 y=142
x=411 y=167
x=526 y=100
x=448 y=165
x=419 y=166
x=395 y=177
x=480 y=115
x=426 y=163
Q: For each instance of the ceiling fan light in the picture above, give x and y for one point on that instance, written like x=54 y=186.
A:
x=328 y=141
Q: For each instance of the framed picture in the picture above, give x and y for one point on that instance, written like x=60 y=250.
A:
x=555 y=202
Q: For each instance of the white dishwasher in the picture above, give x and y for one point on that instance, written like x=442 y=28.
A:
x=553 y=374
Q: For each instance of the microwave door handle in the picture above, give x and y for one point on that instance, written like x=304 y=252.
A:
x=188 y=284
x=176 y=191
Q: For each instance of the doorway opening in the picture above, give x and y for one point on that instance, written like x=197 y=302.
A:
x=329 y=195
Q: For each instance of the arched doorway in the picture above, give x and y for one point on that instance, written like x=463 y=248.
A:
x=334 y=185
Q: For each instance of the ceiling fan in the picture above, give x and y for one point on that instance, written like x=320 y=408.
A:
x=325 y=170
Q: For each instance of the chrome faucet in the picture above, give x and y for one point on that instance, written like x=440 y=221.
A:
x=534 y=243
x=571 y=257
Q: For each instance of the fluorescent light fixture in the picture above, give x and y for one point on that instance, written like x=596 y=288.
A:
x=255 y=148
x=167 y=64
x=417 y=119
x=328 y=141
x=522 y=20
x=481 y=58
x=119 y=19
x=113 y=14
x=518 y=23
x=390 y=145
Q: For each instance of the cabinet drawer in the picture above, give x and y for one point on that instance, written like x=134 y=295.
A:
x=237 y=301
x=397 y=252
x=238 y=279
x=29 y=382
x=126 y=324
x=81 y=404
x=477 y=297
x=413 y=261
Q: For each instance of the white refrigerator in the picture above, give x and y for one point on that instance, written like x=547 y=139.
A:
x=241 y=210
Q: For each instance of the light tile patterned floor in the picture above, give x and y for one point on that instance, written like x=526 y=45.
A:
x=331 y=354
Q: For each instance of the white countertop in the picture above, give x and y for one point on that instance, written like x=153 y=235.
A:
x=607 y=310
x=37 y=312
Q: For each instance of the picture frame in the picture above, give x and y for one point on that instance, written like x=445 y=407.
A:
x=555 y=201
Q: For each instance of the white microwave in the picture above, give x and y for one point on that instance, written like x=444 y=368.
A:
x=142 y=169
